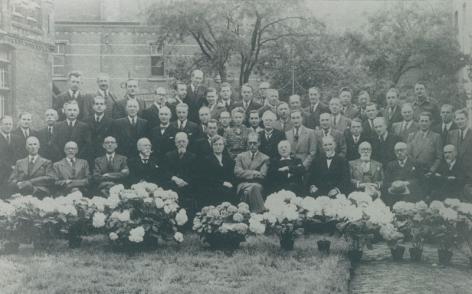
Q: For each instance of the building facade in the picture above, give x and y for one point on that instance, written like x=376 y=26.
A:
x=26 y=43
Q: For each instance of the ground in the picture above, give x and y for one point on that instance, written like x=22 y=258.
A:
x=258 y=267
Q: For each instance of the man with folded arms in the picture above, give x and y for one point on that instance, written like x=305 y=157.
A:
x=110 y=169
x=71 y=174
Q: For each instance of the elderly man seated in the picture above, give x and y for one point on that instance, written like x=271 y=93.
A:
x=401 y=178
x=448 y=180
x=110 y=169
x=366 y=174
x=71 y=173
x=145 y=167
x=32 y=175
x=251 y=169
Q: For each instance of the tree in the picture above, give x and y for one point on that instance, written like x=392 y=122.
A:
x=231 y=30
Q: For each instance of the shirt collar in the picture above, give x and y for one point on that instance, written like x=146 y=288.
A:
x=33 y=158
x=77 y=93
x=142 y=157
x=110 y=156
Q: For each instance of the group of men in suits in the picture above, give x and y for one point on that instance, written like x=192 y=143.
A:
x=211 y=148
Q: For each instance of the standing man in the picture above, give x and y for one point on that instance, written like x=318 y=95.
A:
x=179 y=97
x=283 y=123
x=71 y=174
x=247 y=102
x=72 y=94
x=271 y=102
x=47 y=135
x=316 y=108
x=151 y=114
x=270 y=137
x=224 y=123
x=215 y=105
x=423 y=103
x=353 y=138
x=250 y=170
x=8 y=144
x=392 y=111
x=196 y=94
x=326 y=130
x=182 y=124
x=128 y=130
x=204 y=116
x=225 y=97
x=295 y=102
x=383 y=144
x=407 y=126
x=371 y=113
x=339 y=121
x=302 y=140
x=236 y=136
x=254 y=122
x=362 y=100
x=262 y=93
x=103 y=83
x=447 y=123
x=163 y=136
x=23 y=131
x=132 y=88
x=348 y=109
x=202 y=146
x=100 y=127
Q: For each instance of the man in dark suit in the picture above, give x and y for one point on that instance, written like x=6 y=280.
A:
x=285 y=171
x=144 y=167
x=32 y=175
x=225 y=97
x=202 y=146
x=371 y=113
x=392 y=111
x=447 y=123
x=424 y=103
x=181 y=168
x=72 y=94
x=407 y=126
x=247 y=102
x=254 y=122
x=383 y=144
x=180 y=94
x=132 y=88
x=224 y=123
x=128 y=130
x=109 y=98
x=163 y=136
x=348 y=109
x=353 y=137
x=215 y=106
x=363 y=98
x=326 y=130
x=71 y=174
x=270 y=137
x=8 y=144
x=182 y=124
x=339 y=121
x=110 y=169
x=22 y=132
x=47 y=136
x=272 y=102
x=316 y=108
x=151 y=114
x=448 y=180
x=217 y=176
x=401 y=178
x=196 y=94
x=329 y=173
x=72 y=129
x=100 y=127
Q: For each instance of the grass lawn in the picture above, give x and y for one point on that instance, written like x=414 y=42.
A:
x=258 y=267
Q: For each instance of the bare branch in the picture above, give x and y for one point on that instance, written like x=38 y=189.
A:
x=279 y=21
x=202 y=47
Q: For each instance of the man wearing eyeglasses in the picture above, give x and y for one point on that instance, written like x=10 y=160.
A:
x=302 y=139
x=151 y=114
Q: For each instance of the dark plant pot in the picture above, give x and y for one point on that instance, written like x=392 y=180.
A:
x=224 y=242
x=415 y=254
x=148 y=244
x=397 y=253
x=355 y=256
x=75 y=242
x=41 y=244
x=11 y=247
x=444 y=256
x=323 y=246
x=287 y=242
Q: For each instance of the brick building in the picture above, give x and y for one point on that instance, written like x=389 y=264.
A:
x=26 y=41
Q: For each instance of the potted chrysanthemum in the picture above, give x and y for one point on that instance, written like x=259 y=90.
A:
x=443 y=228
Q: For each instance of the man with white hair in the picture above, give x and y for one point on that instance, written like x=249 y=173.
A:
x=145 y=167
x=196 y=94
x=151 y=114
x=270 y=137
x=71 y=173
x=163 y=136
x=285 y=171
x=329 y=173
x=448 y=180
x=366 y=174
x=32 y=175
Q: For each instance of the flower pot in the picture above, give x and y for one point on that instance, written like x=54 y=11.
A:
x=74 y=241
x=224 y=242
x=41 y=244
x=323 y=246
x=415 y=254
x=444 y=256
x=11 y=247
x=354 y=256
x=397 y=253
x=287 y=242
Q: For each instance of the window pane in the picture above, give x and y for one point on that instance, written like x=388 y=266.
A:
x=157 y=66
x=2 y=105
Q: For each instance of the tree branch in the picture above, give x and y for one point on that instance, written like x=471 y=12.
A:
x=202 y=47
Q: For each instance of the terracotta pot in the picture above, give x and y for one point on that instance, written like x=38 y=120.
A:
x=444 y=256
x=397 y=253
x=415 y=254
x=323 y=246
x=355 y=256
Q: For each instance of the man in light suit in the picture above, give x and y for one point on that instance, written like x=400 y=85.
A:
x=348 y=109
x=128 y=130
x=302 y=139
x=339 y=121
x=366 y=174
x=250 y=170
x=325 y=131
x=196 y=94
x=71 y=174
x=316 y=108
x=109 y=98
x=110 y=169
x=132 y=88
x=407 y=126
x=32 y=175
x=283 y=122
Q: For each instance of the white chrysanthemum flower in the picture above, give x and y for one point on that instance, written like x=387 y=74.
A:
x=181 y=217
x=124 y=216
x=116 y=190
x=237 y=217
x=113 y=201
x=113 y=236
x=98 y=220
x=6 y=209
x=159 y=203
x=454 y=203
x=137 y=234
x=179 y=237
x=99 y=203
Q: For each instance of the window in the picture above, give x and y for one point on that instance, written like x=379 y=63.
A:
x=4 y=76
x=59 y=60
x=2 y=105
x=157 y=59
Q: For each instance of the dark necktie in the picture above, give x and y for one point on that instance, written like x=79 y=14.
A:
x=8 y=139
x=109 y=163
x=252 y=156
x=30 y=165
x=295 y=136
x=49 y=133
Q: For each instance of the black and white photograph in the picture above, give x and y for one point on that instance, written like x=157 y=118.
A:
x=236 y=146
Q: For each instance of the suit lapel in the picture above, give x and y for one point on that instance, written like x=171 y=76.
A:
x=37 y=164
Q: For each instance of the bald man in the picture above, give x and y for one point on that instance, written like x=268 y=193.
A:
x=151 y=114
x=32 y=175
x=71 y=173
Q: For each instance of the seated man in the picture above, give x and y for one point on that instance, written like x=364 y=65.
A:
x=110 y=169
x=180 y=166
x=71 y=174
x=400 y=182
x=366 y=174
x=329 y=173
x=251 y=169
x=285 y=171
x=448 y=180
x=32 y=175
x=145 y=167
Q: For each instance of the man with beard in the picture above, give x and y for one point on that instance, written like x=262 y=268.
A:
x=366 y=174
